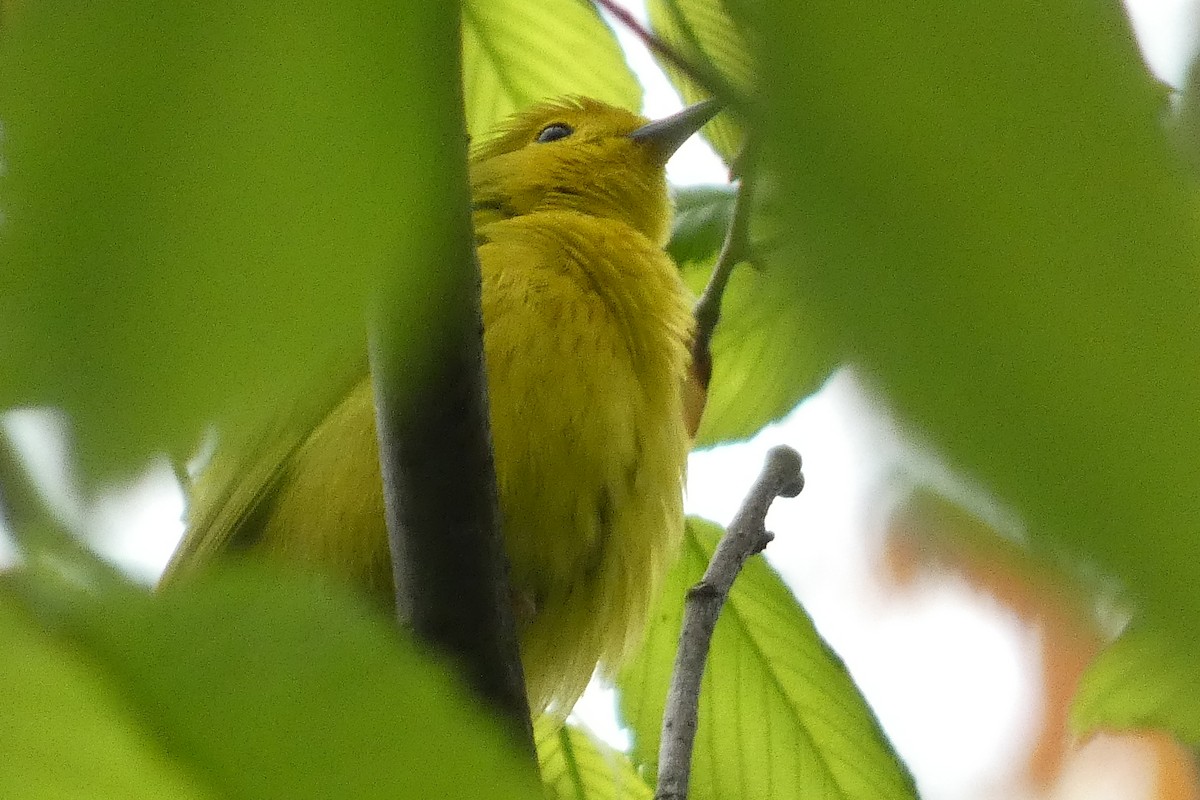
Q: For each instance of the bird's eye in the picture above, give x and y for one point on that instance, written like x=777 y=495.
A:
x=552 y=133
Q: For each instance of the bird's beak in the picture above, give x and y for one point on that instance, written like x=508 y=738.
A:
x=667 y=134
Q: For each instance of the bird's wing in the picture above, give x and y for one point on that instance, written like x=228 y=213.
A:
x=231 y=498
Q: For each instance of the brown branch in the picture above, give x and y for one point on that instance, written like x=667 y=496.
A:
x=747 y=534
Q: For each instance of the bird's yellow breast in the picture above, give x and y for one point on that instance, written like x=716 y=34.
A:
x=586 y=354
x=585 y=331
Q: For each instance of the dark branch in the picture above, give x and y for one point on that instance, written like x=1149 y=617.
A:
x=439 y=479
x=439 y=484
x=746 y=535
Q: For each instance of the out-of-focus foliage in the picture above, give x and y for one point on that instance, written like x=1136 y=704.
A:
x=517 y=52
x=232 y=160
x=991 y=219
x=760 y=324
x=779 y=715
x=577 y=766
x=1142 y=681
x=254 y=685
x=702 y=32
x=66 y=732
x=197 y=199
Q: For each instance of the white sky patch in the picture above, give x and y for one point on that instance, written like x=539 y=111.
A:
x=948 y=672
x=41 y=437
x=1166 y=30
x=597 y=709
x=138 y=524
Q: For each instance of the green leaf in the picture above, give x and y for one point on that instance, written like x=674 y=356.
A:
x=993 y=223
x=516 y=52
x=67 y=733
x=780 y=716
x=197 y=199
x=260 y=685
x=770 y=350
x=701 y=30
x=577 y=766
x=1143 y=680
x=702 y=216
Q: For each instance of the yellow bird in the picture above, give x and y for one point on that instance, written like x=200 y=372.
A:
x=586 y=334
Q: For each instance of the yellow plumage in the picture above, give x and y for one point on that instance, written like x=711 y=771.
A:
x=586 y=326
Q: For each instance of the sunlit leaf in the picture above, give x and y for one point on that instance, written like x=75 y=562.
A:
x=516 y=52
x=990 y=215
x=577 y=766
x=197 y=199
x=257 y=685
x=779 y=715
x=770 y=350
x=1141 y=681
x=702 y=30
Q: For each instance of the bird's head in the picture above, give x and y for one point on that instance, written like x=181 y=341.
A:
x=582 y=155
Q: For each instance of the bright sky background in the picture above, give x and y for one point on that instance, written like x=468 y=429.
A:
x=946 y=670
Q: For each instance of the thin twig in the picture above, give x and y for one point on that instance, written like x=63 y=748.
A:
x=698 y=71
x=734 y=250
x=746 y=535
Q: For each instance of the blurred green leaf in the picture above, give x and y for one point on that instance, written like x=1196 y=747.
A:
x=517 y=52
x=702 y=217
x=255 y=685
x=779 y=715
x=770 y=350
x=1141 y=681
x=991 y=218
x=197 y=199
x=66 y=732
x=578 y=766
x=702 y=30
